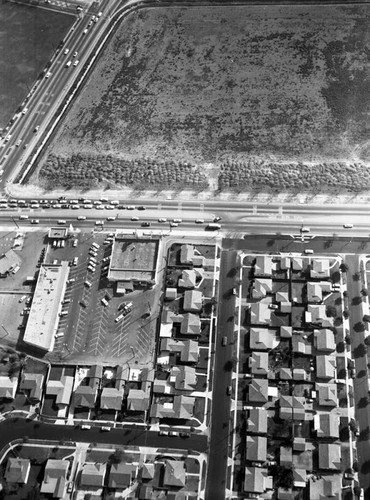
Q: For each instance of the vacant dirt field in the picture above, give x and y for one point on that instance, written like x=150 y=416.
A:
x=211 y=84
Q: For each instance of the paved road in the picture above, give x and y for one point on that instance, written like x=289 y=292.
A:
x=221 y=418
x=17 y=428
x=361 y=387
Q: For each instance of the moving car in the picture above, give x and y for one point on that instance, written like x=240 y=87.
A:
x=76 y=62
x=34 y=221
x=48 y=74
x=229 y=390
x=347 y=226
x=145 y=224
x=66 y=51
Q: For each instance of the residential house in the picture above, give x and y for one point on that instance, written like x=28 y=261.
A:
x=301 y=345
x=326 y=394
x=286 y=456
x=188 y=278
x=261 y=287
x=285 y=263
x=32 y=384
x=148 y=471
x=257 y=480
x=85 y=396
x=137 y=400
x=256 y=448
x=8 y=387
x=184 y=377
x=297 y=263
x=320 y=268
x=299 y=478
x=330 y=456
x=93 y=475
x=292 y=407
x=257 y=421
x=95 y=375
x=299 y=444
x=316 y=290
x=264 y=266
x=17 y=470
x=258 y=390
x=111 y=398
x=324 y=340
x=174 y=474
x=326 y=425
x=189 y=255
x=121 y=475
x=285 y=373
x=161 y=386
x=193 y=301
x=282 y=297
x=170 y=294
x=262 y=339
x=286 y=332
x=316 y=314
x=259 y=363
x=326 y=366
x=190 y=324
x=326 y=486
x=260 y=313
x=55 y=476
x=180 y=408
x=62 y=389
x=187 y=349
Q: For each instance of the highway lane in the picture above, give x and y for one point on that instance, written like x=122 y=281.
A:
x=18 y=428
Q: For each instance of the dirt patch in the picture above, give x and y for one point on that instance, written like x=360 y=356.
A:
x=206 y=86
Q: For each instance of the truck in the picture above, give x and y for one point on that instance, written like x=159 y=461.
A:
x=212 y=226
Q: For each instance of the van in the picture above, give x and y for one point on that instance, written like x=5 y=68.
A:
x=308 y=251
x=88 y=284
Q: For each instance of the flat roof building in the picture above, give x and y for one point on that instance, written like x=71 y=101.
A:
x=43 y=320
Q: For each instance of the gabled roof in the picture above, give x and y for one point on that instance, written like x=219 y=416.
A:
x=257 y=421
x=285 y=263
x=161 y=386
x=54 y=482
x=258 y=390
x=327 y=425
x=93 y=474
x=329 y=456
x=327 y=394
x=325 y=340
x=181 y=408
x=188 y=279
x=314 y=292
x=260 y=313
x=184 y=377
x=256 y=480
x=148 y=471
x=8 y=387
x=193 y=301
x=286 y=331
x=137 y=400
x=188 y=349
x=261 y=339
x=318 y=315
x=95 y=374
x=264 y=266
x=174 y=473
x=320 y=268
x=325 y=366
x=121 y=475
x=285 y=373
x=17 y=470
x=261 y=287
x=171 y=293
x=299 y=478
x=85 y=396
x=258 y=363
x=256 y=448
x=186 y=254
x=282 y=297
x=301 y=345
x=32 y=382
x=62 y=389
x=190 y=324
x=297 y=263
x=111 y=398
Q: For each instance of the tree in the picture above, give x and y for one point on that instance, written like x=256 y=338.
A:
x=331 y=311
x=343 y=267
x=367 y=340
x=348 y=340
x=346 y=313
x=364 y=292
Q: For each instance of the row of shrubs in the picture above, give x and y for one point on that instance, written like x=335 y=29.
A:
x=83 y=170
x=256 y=174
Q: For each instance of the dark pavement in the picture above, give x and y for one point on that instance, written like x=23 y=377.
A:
x=221 y=418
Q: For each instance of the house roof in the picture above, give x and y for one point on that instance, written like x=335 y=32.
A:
x=320 y=268
x=85 y=396
x=325 y=340
x=286 y=331
x=256 y=448
x=93 y=474
x=188 y=279
x=95 y=374
x=327 y=425
x=171 y=294
x=148 y=471
x=258 y=390
x=32 y=382
x=186 y=254
x=327 y=394
x=260 y=313
x=257 y=421
x=282 y=297
x=111 y=398
x=326 y=366
x=8 y=387
x=285 y=263
x=190 y=324
x=161 y=386
x=181 y=408
x=314 y=292
x=286 y=455
x=193 y=300
x=285 y=307
x=188 y=349
x=17 y=470
x=184 y=377
x=54 y=481
x=261 y=339
x=329 y=456
x=297 y=263
x=261 y=287
x=256 y=480
x=121 y=475
x=62 y=389
x=285 y=373
x=258 y=362
x=318 y=315
x=174 y=473
x=137 y=400
x=264 y=265
x=299 y=478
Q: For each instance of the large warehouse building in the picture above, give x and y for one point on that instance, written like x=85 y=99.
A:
x=43 y=320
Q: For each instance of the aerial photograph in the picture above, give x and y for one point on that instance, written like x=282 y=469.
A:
x=184 y=249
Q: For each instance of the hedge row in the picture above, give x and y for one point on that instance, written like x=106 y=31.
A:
x=256 y=174
x=83 y=170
